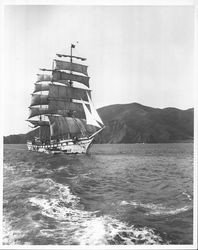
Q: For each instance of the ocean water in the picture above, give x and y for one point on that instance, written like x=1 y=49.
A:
x=120 y=194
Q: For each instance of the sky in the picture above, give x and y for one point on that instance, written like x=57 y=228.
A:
x=138 y=54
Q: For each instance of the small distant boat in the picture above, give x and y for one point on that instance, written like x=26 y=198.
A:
x=63 y=112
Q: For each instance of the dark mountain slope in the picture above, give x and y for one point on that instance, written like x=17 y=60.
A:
x=21 y=138
x=129 y=123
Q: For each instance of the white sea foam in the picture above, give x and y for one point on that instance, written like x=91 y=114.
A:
x=156 y=209
x=76 y=226
x=88 y=229
x=10 y=236
x=107 y=230
x=187 y=195
x=140 y=204
x=61 y=191
x=171 y=211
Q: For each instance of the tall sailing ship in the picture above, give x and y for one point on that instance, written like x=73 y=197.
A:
x=62 y=110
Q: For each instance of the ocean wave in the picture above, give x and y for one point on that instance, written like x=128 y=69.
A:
x=9 y=235
x=106 y=230
x=55 y=190
x=8 y=166
x=77 y=226
x=90 y=229
x=156 y=209
x=171 y=211
x=189 y=197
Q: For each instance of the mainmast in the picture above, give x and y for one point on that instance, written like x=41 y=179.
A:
x=70 y=81
x=72 y=46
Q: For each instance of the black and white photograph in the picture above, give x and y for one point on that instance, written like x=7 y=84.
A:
x=99 y=133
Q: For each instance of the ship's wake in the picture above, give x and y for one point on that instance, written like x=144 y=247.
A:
x=56 y=216
x=74 y=225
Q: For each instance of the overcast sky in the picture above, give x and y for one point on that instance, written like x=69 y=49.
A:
x=134 y=53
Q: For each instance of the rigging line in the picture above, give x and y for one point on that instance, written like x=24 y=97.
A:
x=79 y=126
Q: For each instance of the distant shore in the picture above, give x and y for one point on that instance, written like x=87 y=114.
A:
x=135 y=123
x=177 y=141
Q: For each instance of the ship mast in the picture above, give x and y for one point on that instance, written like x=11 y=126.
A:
x=71 y=83
x=72 y=46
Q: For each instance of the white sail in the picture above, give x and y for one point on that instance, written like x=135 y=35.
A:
x=89 y=118
x=93 y=111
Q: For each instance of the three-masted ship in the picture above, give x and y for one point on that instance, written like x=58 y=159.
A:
x=61 y=108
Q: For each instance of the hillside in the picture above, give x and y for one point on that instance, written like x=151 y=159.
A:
x=135 y=123
x=20 y=138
